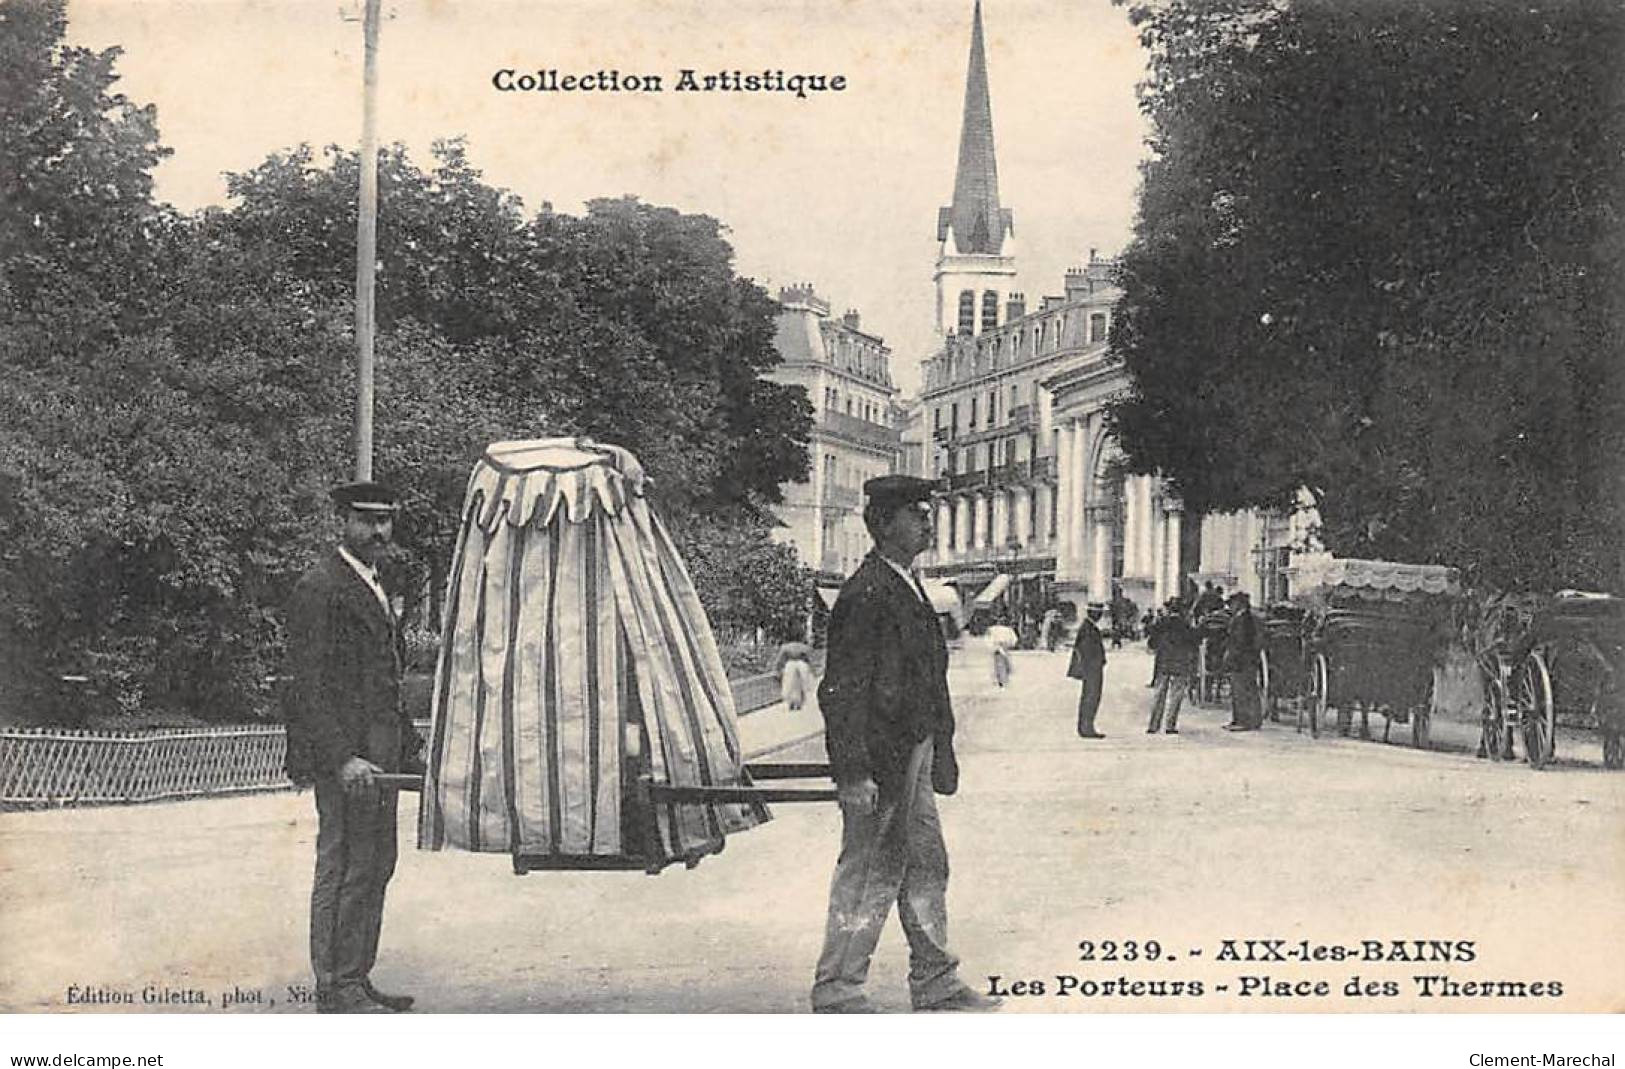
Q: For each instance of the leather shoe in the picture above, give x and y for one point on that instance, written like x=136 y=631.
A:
x=1172 y=731
x=394 y=1003
x=1090 y=735
x=851 y=1005
x=964 y=1000
x=351 y=998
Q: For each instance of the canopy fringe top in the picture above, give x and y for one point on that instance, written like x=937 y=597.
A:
x=1323 y=570
x=541 y=479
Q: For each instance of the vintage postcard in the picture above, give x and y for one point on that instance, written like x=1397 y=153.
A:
x=902 y=177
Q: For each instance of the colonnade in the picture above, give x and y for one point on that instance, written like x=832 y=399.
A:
x=1093 y=516
x=1091 y=509
x=993 y=518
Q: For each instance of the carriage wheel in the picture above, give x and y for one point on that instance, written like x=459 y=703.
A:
x=1493 y=736
x=1613 y=748
x=1532 y=692
x=1315 y=700
x=1201 y=672
x=1421 y=724
x=1266 y=702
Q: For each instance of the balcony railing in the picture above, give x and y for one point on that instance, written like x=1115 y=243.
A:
x=1012 y=474
x=860 y=430
x=839 y=496
x=1023 y=416
x=966 y=479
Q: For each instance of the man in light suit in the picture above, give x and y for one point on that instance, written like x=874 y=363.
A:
x=889 y=729
x=346 y=725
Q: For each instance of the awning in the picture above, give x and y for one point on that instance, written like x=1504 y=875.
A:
x=1322 y=570
x=993 y=590
x=942 y=597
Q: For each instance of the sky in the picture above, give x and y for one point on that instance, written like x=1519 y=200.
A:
x=839 y=189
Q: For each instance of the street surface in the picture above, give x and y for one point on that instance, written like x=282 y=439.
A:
x=1182 y=841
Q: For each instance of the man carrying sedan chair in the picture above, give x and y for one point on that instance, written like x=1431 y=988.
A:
x=889 y=729
x=346 y=725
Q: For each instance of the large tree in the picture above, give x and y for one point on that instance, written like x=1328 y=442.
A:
x=176 y=392
x=1381 y=257
x=627 y=323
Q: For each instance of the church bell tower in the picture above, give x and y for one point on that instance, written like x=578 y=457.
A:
x=976 y=260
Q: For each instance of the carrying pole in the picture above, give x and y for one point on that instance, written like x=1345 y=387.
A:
x=366 y=256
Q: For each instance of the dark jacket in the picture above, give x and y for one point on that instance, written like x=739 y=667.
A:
x=1177 y=643
x=1088 y=651
x=885 y=686
x=344 y=700
x=1243 y=639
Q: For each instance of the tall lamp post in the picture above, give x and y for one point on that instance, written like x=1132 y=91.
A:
x=366 y=252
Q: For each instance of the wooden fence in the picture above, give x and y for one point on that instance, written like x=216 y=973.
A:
x=56 y=767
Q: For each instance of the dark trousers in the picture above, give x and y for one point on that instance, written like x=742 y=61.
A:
x=893 y=854
x=1170 y=696
x=1246 y=709
x=355 y=857
x=1089 y=700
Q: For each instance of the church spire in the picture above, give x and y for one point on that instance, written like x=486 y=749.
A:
x=978 y=223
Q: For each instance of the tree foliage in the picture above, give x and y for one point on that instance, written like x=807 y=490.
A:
x=1381 y=256
x=177 y=391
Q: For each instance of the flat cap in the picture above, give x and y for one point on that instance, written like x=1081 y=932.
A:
x=365 y=497
x=895 y=491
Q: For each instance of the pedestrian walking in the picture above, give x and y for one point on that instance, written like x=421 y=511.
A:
x=1049 y=629
x=1003 y=640
x=347 y=725
x=1122 y=618
x=1176 y=645
x=889 y=728
x=795 y=674
x=1241 y=648
x=1088 y=666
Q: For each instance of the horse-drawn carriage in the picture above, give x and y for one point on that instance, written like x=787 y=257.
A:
x=1211 y=685
x=1564 y=666
x=1281 y=660
x=1370 y=639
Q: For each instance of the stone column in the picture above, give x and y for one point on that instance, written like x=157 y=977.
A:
x=1149 y=559
x=1131 y=527
x=1022 y=498
x=945 y=519
x=1171 y=540
x=1159 y=548
x=817 y=510
x=962 y=524
x=1082 y=492
x=979 y=522
x=1100 y=578
x=1000 y=532
x=1063 y=488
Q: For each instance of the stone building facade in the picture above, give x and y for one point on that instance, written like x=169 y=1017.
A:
x=847 y=375
x=1036 y=507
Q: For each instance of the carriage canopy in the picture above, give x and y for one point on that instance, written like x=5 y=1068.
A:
x=577 y=668
x=1322 y=575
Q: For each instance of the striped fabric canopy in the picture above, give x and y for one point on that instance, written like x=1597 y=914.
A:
x=575 y=658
